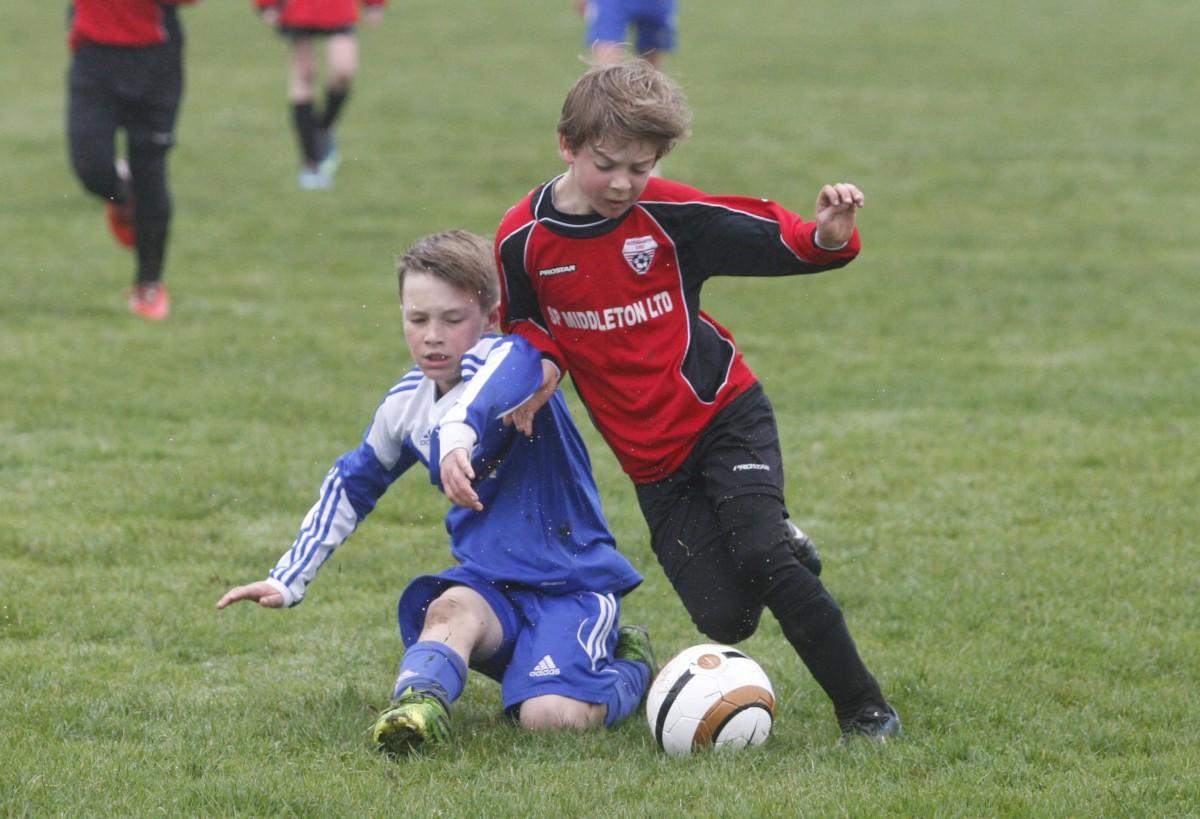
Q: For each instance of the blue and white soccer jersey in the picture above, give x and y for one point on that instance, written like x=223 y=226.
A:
x=542 y=525
x=552 y=643
x=607 y=21
x=541 y=534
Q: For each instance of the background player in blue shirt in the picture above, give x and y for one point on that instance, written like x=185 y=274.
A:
x=606 y=23
x=534 y=601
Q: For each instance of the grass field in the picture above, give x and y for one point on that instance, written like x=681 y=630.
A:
x=993 y=436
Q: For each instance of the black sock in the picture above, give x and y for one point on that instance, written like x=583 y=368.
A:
x=335 y=98
x=816 y=628
x=307 y=131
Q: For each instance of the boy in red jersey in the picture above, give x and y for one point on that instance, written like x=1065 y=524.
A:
x=601 y=269
x=127 y=74
x=302 y=22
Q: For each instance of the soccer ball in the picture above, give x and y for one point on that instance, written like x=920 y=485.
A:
x=710 y=695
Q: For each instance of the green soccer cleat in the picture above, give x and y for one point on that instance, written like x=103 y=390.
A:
x=633 y=643
x=416 y=718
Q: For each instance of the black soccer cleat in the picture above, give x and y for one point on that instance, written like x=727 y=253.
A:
x=804 y=549
x=875 y=723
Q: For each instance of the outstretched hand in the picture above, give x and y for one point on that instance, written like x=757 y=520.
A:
x=835 y=212
x=522 y=416
x=457 y=475
x=261 y=592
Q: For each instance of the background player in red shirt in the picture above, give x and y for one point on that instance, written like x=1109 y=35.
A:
x=127 y=74
x=601 y=269
x=303 y=22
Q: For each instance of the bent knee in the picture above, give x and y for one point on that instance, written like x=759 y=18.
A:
x=452 y=606
x=727 y=628
x=551 y=712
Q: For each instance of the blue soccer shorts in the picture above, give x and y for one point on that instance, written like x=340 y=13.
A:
x=553 y=643
x=607 y=21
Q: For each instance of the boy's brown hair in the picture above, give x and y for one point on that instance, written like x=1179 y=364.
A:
x=631 y=101
x=460 y=258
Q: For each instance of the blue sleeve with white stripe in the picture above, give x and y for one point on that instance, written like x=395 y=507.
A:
x=348 y=494
x=506 y=378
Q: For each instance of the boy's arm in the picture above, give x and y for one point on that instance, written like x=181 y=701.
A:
x=745 y=236
x=470 y=434
x=520 y=312
x=521 y=315
x=348 y=494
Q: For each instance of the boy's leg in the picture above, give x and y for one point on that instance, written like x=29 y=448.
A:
x=809 y=616
x=342 y=56
x=686 y=538
x=301 y=91
x=150 y=125
x=656 y=31
x=605 y=25
x=565 y=672
x=92 y=124
x=459 y=624
x=721 y=533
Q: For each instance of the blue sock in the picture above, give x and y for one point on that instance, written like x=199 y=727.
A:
x=626 y=693
x=433 y=667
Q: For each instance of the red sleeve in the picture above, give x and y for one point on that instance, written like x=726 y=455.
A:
x=520 y=312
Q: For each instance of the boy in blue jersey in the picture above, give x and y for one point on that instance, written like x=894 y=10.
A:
x=607 y=21
x=535 y=598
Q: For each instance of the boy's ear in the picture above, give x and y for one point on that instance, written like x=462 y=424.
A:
x=565 y=151
x=492 y=320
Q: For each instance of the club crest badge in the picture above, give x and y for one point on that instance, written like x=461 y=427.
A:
x=639 y=252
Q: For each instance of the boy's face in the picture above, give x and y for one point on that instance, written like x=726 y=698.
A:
x=604 y=179
x=441 y=322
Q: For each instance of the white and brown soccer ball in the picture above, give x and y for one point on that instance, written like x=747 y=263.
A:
x=710 y=695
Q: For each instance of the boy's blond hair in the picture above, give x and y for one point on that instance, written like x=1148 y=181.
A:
x=631 y=101
x=458 y=257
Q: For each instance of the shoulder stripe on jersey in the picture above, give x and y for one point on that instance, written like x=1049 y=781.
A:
x=409 y=382
x=518 y=229
x=498 y=354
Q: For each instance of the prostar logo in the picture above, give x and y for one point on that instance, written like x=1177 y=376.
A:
x=639 y=252
x=557 y=271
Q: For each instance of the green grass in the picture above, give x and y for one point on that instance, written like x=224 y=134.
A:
x=993 y=431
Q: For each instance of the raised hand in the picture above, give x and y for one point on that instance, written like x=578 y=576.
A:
x=835 y=213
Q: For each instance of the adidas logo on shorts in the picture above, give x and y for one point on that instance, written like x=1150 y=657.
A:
x=545 y=668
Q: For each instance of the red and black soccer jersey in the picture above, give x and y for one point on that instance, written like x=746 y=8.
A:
x=129 y=23
x=317 y=14
x=617 y=301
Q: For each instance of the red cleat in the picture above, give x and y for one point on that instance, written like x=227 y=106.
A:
x=120 y=222
x=150 y=301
